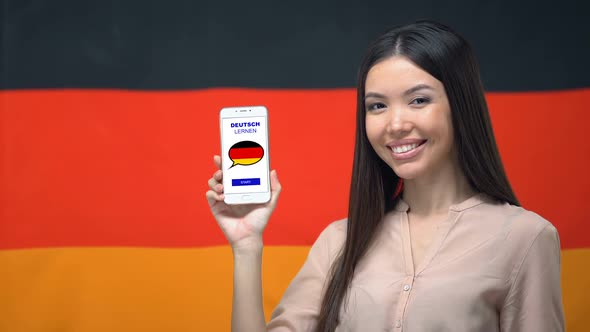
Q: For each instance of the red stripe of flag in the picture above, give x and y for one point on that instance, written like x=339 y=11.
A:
x=240 y=153
x=118 y=168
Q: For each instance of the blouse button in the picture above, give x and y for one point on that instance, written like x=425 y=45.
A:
x=398 y=323
x=406 y=288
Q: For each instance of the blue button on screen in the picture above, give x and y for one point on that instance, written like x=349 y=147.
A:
x=245 y=182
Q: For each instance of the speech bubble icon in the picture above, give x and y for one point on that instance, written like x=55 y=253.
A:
x=245 y=153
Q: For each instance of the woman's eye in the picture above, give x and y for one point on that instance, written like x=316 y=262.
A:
x=420 y=101
x=375 y=106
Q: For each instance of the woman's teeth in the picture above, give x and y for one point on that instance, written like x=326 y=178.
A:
x=404 y=148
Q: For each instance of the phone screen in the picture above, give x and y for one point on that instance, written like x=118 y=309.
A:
x=245 y=154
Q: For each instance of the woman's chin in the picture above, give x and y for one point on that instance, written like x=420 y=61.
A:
x=406 y=173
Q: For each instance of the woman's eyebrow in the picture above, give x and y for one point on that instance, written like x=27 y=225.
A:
x=418 y=88
x=374 y=95
x=411 y=90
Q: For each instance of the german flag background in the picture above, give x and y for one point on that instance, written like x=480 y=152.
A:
x=109 y=121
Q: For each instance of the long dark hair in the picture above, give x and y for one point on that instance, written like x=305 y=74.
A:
x=448 y=57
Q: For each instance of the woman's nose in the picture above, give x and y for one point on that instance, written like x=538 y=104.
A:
x=399 y=122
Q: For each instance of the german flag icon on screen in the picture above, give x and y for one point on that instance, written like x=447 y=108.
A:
x=245 y=153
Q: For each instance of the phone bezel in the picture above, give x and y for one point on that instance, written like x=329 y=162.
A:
x=240 y=112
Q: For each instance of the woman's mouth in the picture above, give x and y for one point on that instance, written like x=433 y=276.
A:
x=408 y=150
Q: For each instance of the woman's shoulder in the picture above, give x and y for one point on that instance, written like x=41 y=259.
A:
x=512 y=232
x=337 y=228
x=335 y=232
x=517 y=221
x=331 y=239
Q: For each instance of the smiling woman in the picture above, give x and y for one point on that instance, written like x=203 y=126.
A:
x=452 y=238
x=409 y=125
x=109 y=113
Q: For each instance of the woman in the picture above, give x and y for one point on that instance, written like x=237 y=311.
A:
x=434 y=239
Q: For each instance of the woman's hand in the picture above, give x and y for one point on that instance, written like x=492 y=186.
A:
x=242 y=224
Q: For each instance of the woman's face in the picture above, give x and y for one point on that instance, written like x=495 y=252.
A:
x=408 y=118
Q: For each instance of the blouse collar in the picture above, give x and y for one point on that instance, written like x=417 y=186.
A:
x=472 y=201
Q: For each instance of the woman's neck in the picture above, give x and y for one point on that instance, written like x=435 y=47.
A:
x=435 y=193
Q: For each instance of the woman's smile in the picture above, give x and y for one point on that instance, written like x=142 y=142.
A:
x=407 y=148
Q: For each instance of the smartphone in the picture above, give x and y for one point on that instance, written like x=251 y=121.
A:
x=245 y=159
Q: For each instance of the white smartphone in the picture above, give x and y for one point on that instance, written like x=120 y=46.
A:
x=244 y=154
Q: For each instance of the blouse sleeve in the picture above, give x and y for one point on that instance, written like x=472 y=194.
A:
x=298 y=309
x=534 y=300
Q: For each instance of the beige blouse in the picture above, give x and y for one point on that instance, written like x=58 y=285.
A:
x=490 y=267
